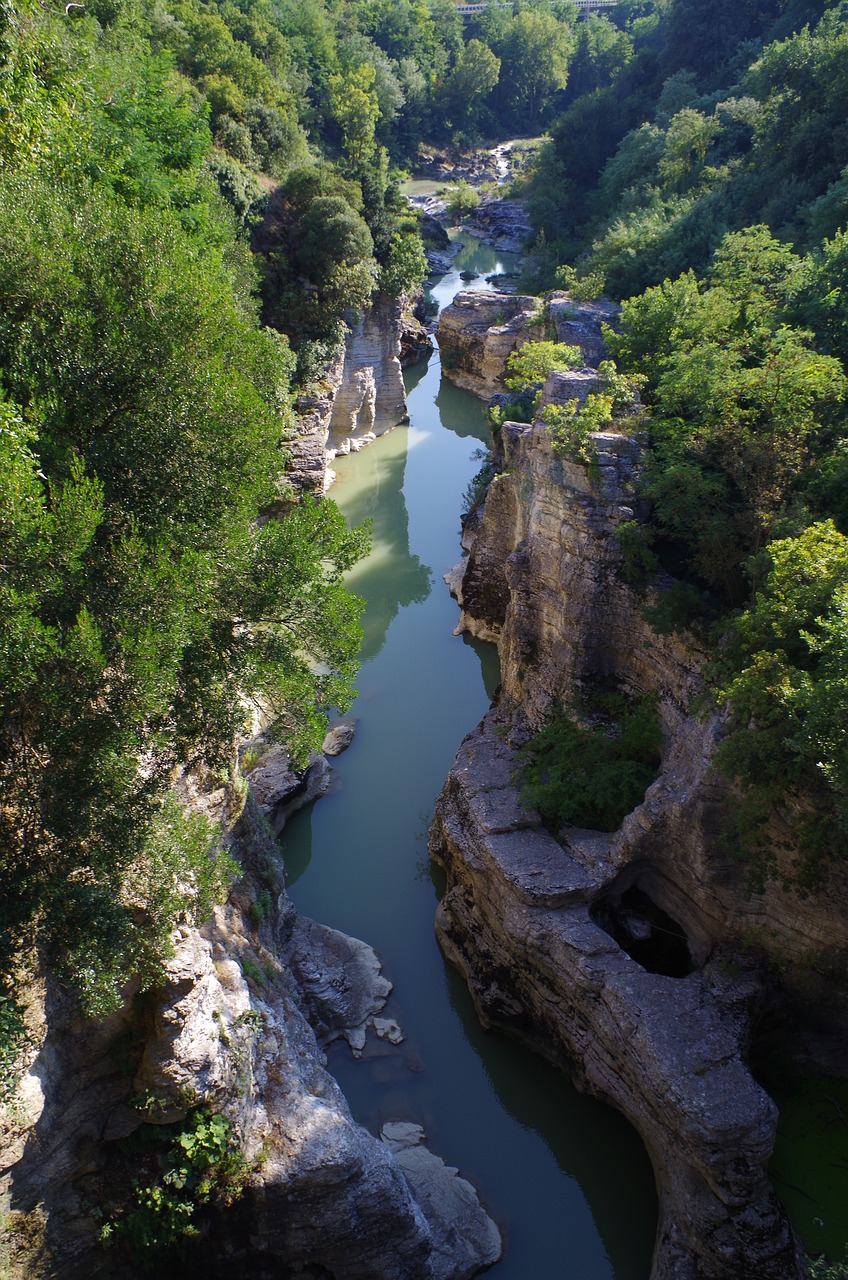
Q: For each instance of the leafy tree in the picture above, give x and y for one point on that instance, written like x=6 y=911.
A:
x=534 y=52
x=532 y=363
x=739 y=401
x=354 y=104
x=474 y=76
x=591 y=776
x=784 y=676
x=144 y=607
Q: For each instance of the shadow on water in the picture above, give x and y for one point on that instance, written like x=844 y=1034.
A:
x=579 y=1133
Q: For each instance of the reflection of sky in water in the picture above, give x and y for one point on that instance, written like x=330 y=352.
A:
x=370 y=487
x=566 y=1178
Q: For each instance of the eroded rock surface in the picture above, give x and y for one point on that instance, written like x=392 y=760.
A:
x=558 y=936
x=503 y=223
x=360 y=394
x=478 y=332
x=281 y=790
x=516 y=920
x=230 y=1027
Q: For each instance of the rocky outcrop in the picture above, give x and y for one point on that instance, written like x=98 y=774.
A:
x=360 y=394
x=580 y=324
x=371 y=396
x=519 y=919
x=306 y=448
x=233 y=1025
x=615 y=954
x=281 y=790
x=503 y=223
x=478 y=332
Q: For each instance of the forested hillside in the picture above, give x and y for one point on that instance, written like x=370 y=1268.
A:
x=148 y=362
x=703 y=182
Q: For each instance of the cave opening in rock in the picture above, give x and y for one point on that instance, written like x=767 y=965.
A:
x=648 y=934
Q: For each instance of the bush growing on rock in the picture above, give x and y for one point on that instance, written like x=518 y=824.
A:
x=592 y=777
x=530 y=365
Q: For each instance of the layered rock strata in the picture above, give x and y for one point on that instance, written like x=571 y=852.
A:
x=233 y=1026
x=360 y=394
x=503 y=223
x=517 y=921
x=477 y=334
x=612 y=953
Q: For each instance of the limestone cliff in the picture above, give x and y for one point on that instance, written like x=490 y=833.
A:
x=233 y=1025
x=566 y=939
x=360 y=394
x=478 y=332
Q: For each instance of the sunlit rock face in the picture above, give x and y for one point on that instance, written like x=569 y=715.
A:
x=360 y=393
x=477 y=334
x=237 y=1024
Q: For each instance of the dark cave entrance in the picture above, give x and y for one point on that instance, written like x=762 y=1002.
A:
x=648 y=934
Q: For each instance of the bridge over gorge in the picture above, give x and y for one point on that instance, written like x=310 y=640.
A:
x=584 y=6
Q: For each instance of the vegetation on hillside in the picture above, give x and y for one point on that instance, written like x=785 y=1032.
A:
x=697 y=173
x=194 y=194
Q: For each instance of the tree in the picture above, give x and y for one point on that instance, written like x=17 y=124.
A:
x=532 y=363
x=784 y=678
x=144 y=606
x=354 y=104
x=739 y=402
x=472 y=79
x=534 y=56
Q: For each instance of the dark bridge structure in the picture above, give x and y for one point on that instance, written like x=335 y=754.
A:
x=584 y=6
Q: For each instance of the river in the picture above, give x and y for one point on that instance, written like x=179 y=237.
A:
x=566 y=1179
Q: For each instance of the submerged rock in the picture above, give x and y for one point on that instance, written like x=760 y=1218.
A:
x=339 y=738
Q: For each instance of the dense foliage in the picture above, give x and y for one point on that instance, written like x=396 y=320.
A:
x=697 y=172
x=146 y=609
x=695 y=119
x=592 y=775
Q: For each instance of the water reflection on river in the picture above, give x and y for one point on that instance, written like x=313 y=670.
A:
x=566 y=1178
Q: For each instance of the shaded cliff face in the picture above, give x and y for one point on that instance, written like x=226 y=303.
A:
x=566 y=940
x=324 y=1197
x=518 y=920
x=543 y=577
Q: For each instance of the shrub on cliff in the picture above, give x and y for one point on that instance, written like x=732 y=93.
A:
x=592 y=777
x=530 y=364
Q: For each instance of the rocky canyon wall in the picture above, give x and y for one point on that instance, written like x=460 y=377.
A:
x=543 y=927
x=237 y=1024
x=361 y=393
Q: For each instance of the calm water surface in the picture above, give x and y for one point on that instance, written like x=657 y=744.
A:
x=566 y=1179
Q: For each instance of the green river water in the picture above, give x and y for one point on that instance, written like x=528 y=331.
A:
x=566 y=1179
